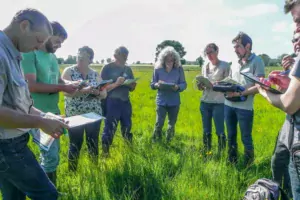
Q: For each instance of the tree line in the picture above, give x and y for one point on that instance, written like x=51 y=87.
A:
x=181 y=50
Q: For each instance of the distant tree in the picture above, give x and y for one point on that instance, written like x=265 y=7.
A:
x=138 y=62
x=71 y=60
x=108 y=60
x=280 y=57
x=200 y=61
x=183 y=61
x=266 y=59
x=102 y=61
x=177 y=46
x=60 y=61
x=97 y=62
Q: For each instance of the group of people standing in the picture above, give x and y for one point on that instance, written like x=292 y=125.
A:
x=31 y=82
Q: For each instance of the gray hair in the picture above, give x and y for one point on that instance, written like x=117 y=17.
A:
x=166 y=52
x=121 y=50
x=34 y=17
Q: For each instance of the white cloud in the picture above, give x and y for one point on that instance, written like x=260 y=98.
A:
x=277 y=38
x=256 y=10
x=281 y=27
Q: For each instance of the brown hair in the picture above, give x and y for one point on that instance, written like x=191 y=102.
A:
x=289 y=4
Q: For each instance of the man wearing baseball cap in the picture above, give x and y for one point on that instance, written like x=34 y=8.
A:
x=241 y=112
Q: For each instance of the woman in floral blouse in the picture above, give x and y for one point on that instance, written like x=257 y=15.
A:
x=81 y=102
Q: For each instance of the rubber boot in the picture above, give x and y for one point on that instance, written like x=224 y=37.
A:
x=221 y=143
x=248 y=157
x=157 y=135
x=232 y=154
x=170 y=134
x=207 y=142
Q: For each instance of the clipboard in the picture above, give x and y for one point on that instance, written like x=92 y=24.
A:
x=254 y=79
x=166 y=86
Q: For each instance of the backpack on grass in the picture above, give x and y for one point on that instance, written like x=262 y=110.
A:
x=265 y=189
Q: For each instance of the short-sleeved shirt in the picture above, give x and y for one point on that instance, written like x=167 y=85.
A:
x=45 y=66
x=82 y=104
x=14 y=92
x=169 y=97
x=255 y=66
x=214 y=73
x=113 y=71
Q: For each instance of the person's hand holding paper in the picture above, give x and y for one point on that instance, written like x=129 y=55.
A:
x=53 y=125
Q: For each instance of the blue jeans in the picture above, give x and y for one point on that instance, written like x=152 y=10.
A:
x=21 y=174
x=117 y=110
x=233 y=116
x=50 y=158
x=215 y=111
x=76 y=140
x=295 y=180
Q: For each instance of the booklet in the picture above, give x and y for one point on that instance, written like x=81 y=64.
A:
x=45 y=141
x=129 y=81
x=83 y=119
x=204 y=81
x=166 y=86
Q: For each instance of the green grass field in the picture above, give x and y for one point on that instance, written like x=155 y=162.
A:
x=169 y=171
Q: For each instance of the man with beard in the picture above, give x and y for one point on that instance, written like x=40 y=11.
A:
x=41 y=70
x=241 y=112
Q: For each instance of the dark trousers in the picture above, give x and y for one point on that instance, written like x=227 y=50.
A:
x=117 y=110
x=76 y=139
x=161 y=113
x=280 y=166
x=233 y=116
x=20 y=173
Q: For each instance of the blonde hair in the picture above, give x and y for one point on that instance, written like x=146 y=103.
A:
x=166 y=52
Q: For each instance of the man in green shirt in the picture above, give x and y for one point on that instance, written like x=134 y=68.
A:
x=41 y=70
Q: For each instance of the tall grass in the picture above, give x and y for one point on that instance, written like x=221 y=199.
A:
x=146 y=170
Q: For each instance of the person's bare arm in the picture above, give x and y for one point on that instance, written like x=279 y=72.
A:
x=287 y=102
x=48 y=88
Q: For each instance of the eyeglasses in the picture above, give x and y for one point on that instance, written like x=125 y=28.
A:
x=295 y=40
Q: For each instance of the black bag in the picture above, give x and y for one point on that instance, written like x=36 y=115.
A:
x=230 y=87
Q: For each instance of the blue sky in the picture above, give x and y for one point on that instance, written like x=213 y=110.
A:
x=141 y=25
